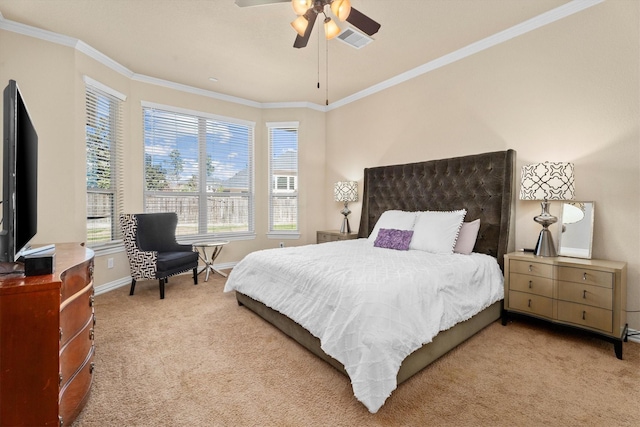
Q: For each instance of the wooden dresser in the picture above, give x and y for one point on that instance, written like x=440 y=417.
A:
x=584 y=293
x=333 y=235
x=46 y=341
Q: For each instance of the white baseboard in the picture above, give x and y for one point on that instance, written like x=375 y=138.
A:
x=126 y=281
x=101 y=289
x=634 y=338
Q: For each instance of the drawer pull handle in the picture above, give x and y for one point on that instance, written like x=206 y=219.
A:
x=529 y=304
x=91 y=334
x=530 y=283
x=91 y=300
x=92 y=367
x=60 y=379
x=584 y=294
x=584 y=315
x=530 y=267
x=584 y=276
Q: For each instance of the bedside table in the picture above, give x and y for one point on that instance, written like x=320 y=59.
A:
x=333 y=235
x=587 y=294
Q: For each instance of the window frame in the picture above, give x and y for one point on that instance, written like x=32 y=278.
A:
x=273 y=192
x=95 y=89
x=201 y=193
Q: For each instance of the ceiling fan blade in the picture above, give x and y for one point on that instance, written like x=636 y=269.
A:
x=249 y=3
x=302 y=41
x=363 y=22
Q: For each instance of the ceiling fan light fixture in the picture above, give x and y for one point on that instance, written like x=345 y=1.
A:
x=300 y=24
x=301 y=6
x=341 y=9
x=331 y=29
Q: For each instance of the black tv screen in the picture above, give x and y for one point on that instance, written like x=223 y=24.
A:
x=19 y=176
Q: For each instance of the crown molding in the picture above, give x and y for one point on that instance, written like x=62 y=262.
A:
x=541 y=20
x=534 y=23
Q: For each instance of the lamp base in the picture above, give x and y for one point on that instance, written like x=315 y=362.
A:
x=545 y=246
x=346 y=228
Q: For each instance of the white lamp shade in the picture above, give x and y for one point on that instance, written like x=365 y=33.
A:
x=301 y=6
x=346 y=191
x=547 y=181
x=341 y=9
x=300 y=25
x=572 y=213
x=331 y=29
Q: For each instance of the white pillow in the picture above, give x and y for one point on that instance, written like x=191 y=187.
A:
x=398 y=220
x=437 y=231
x=467 y=237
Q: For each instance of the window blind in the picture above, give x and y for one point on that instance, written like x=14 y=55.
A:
x=105 y=184
x=201 y=167
x=283 y=176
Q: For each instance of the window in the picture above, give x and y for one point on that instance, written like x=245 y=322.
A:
x=201 y=167
x=283 y=174
x=105 y=191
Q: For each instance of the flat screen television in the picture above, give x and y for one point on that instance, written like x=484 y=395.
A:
x=19 y=177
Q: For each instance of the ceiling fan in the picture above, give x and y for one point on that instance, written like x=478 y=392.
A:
x=308 y=11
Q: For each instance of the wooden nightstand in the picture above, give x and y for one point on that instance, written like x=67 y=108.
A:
x=587 y=294
x=333 y=235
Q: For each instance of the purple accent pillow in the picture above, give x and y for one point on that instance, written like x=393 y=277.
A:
x=393 y=239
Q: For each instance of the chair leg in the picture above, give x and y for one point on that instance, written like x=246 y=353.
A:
x=133 y=286
x=195 y=276
x=162 y=288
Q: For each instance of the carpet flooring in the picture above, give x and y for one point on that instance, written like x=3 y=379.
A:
x=196 y=358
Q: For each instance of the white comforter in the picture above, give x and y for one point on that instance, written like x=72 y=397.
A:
x=370 y=307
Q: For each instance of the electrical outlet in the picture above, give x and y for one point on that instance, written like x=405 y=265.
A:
x=282 y=244
x=109 y=262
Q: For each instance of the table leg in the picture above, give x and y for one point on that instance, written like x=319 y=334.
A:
x=208 y=261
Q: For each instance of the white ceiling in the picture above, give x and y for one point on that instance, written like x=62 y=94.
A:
x=249 y=50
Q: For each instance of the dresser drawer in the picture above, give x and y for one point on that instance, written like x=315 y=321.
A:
x=75 y=393
x=531 y=304
x=531 y=284
x=75 y=312
x=76 y=278
x=586 y=276
x=531 y=268
x=586 y=315
x=75 y=352
x=596 y=296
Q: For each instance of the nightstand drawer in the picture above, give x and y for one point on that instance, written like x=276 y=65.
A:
x=586 y=276
x=532 y=304
x=531 y=284
x=332 y=236
x=596 y=296
x=531 y=268
x=585 y=315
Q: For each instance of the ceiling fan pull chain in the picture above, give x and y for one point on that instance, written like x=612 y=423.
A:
x=326 y=86
x=318 y=57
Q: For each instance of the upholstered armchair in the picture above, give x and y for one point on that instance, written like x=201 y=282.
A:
x=152 y=250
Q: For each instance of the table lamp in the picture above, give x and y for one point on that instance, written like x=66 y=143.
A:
x=547 y=181
x=346 y=191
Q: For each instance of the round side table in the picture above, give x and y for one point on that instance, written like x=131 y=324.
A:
x=209 y=257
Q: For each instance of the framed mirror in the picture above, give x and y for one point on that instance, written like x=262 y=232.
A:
x=576 y=229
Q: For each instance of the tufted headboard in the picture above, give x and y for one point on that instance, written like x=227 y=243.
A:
x=483 y=184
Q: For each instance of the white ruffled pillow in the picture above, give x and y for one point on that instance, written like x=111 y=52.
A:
x=437 y=231
x=393 y=219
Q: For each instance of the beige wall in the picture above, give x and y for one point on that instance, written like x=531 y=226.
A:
x=566 y=92
x=50 y=77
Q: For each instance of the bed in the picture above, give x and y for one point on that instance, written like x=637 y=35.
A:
x=482 y=184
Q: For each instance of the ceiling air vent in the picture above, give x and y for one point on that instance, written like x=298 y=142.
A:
x=354 y=38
